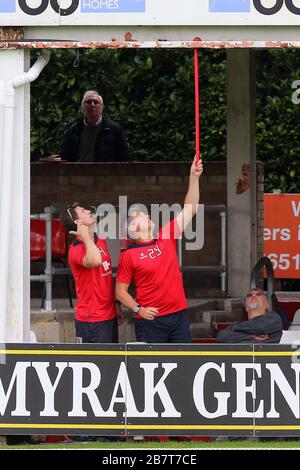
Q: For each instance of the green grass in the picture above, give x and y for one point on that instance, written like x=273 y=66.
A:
x=161 y=445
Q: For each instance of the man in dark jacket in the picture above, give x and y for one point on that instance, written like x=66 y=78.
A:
x=94 y=138
x=263 y=325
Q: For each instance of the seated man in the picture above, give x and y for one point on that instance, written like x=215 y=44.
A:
x=263 y=325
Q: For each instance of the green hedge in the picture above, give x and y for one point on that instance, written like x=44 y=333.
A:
x=151 y=93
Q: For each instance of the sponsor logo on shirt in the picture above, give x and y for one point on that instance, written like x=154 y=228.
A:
x=151 y=253
x=106 y=266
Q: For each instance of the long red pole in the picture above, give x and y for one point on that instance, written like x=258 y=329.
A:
x=197 y=105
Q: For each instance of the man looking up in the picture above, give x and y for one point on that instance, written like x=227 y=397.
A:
x=89 y=259
x=152 y=264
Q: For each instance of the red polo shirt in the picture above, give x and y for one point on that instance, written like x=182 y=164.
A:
x=153 y=267
x=94 y=286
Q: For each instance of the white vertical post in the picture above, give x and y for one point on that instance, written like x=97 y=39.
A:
x=15 y=306
x=241 y=160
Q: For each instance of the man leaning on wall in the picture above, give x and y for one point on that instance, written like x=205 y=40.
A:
x=94 y=137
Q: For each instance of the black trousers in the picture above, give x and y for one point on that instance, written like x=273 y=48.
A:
x=97 y=332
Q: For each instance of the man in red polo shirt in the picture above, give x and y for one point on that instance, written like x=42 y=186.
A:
x=152 y=264
x=89 y=259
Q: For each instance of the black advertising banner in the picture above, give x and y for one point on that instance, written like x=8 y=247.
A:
x=186 y=390
x=277 y=408
x=132 y=389
x=60 y=389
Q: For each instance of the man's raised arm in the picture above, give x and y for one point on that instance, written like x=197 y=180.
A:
x=192 y=196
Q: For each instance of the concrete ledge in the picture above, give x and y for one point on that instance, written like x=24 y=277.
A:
x=201 y=330
x=58 y=326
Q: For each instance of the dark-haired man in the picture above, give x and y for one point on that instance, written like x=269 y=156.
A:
x=89 y=259
x=263 y=325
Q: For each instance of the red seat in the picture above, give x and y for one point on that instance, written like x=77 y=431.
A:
x=58 y=245
x=38 y=240
x=221 y=325
x=204 y=340
x=290 y=305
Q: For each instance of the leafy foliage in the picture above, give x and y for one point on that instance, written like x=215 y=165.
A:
x=151 y=93
x=278 y=118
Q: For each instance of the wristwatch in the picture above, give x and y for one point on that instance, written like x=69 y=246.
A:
x=137 y=308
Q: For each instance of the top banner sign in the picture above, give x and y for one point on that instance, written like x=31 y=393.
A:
x=150 y=12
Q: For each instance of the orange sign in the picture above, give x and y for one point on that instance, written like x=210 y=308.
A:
x=282 y=233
